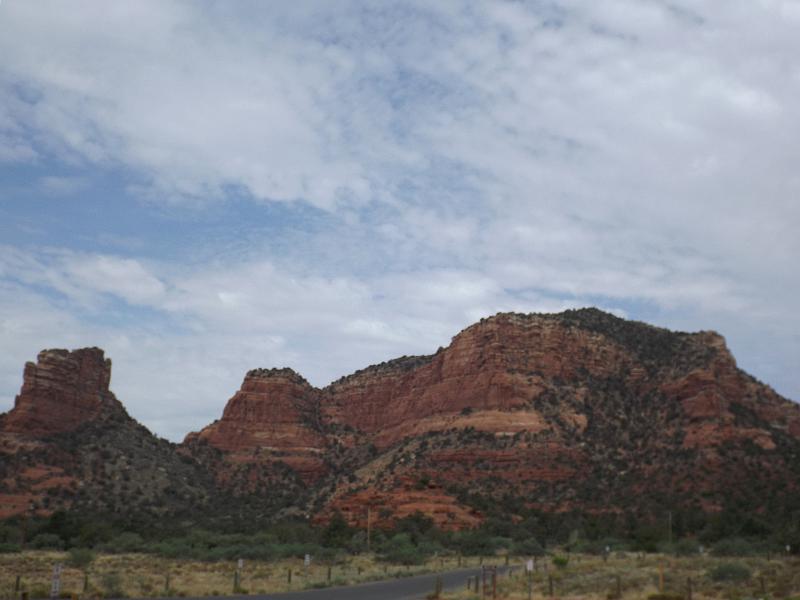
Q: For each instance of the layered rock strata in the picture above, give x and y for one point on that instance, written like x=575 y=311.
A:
x=574 y=410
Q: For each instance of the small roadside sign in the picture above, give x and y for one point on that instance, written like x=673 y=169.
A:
x=55 y=589
x=307 y=560
x=529 y=565
x=240 y=564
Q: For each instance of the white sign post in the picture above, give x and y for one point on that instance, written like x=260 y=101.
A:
x=55 y=589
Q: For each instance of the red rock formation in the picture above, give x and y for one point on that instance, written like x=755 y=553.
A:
x=570 y=404
x=272 y=418
x=60 y=392
x=498 y=365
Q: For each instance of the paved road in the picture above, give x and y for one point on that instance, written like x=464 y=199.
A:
x=405 y=588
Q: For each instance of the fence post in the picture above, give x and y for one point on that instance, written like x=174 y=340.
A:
x=688 y=588
x=550 y=584
x=289 y=575
x=619 y=588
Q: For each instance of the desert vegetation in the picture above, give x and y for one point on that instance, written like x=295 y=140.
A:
x=580 y=557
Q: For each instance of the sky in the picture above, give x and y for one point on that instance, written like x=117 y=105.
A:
x=202 y=188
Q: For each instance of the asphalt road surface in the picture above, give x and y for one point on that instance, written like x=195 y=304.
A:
x=405 y=588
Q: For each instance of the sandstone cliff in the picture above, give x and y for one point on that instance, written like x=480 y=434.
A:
x=578 y=410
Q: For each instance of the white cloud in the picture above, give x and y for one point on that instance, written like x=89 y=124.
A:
x=468 y=158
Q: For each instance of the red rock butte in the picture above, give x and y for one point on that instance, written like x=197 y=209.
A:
x=61 y=391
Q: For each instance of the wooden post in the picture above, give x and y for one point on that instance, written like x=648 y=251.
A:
x=619 y=587
x=530 y=585
x=494 y=582
x=661 y=578
x=369 y=528
x=166 y=584
x=688 y=588
x=85 y=581
x=329 y=573
x=289 y=576
x=550 y=584
x=17 y=584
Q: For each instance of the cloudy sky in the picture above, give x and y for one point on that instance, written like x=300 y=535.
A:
x=202 y=188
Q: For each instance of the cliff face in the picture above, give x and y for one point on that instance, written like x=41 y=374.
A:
x=575 y=411
x=579 y=410
x=62 y=391
x=273 y=418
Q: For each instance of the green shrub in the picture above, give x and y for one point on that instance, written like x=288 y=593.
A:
x=400 y=550
x=47 y=541
x=735 y=547
x=528 y=547
x=561 y=561
x=686 y=547
x=80 y=558
x=125 y=542
x=8 y=547
x=730 y=572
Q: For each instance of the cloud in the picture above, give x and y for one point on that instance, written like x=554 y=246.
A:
x=56 y=185
x=434 y=163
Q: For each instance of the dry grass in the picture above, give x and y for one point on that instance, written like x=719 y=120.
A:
x=585 y=577
x=588 y=578
x=141 y=575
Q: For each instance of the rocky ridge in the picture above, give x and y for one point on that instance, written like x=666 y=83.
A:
x=577 y=411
